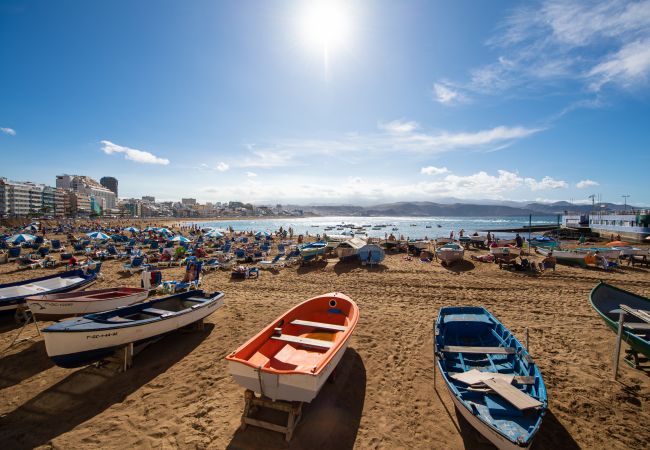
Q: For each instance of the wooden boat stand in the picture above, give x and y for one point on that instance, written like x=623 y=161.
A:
x=631 y=356
x=253 y=403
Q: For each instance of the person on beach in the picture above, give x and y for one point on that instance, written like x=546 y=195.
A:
x=519 y=241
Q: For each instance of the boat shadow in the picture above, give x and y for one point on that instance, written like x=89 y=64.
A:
x=87 y=392
x=7 y=321
x=461 y=266
x=552 y=434
x=330 y=421
x=24 y=364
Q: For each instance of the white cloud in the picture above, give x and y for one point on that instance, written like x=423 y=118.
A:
x=432 y=170
x=133 y=154
x=9 y=131
x=251 y=174
x=546 y=183
x=396 y=136
x=586 y=183
x=445 y=95
x=627 y=67
x=479 y=185
x=222 y=167
x=399 y=126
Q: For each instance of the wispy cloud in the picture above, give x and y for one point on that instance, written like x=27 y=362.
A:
x=406 y=137
x=133 y=154
x=566 y=43
x=443 y=93
x=586 y=183
x=9 y=131
x=222 y=167
x=251 y=174
x=432 y=170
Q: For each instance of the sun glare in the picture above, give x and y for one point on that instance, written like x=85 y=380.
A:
x=325 y=27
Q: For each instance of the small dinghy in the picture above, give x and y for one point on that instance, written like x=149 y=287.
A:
x=607 y=301
x=450 y=253
x=81 y=341
x=567 y=257
x=14 y=294
x=54 y=306
x=492 y=380
x=292 y=358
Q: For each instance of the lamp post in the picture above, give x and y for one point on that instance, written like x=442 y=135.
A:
x=625 y=201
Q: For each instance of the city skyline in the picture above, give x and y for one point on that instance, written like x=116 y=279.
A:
x=331 y=102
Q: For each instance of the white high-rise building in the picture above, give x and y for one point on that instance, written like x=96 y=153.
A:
x=88 y=186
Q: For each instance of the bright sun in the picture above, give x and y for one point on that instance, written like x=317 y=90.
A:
x=325 y=25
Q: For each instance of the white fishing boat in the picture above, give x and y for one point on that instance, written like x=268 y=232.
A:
x=450 y=253
x=567 y=257
x=81 y=341
x=54 y=306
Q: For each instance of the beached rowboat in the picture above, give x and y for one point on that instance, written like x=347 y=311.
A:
x=567 y=257
x=13 y=294
x=81 y=341
x=492 y=380
x=293 y=356
x=607 y=300
x=85 y=302
x=450 y=253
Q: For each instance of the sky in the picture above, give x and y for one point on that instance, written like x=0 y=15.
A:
x=330 y=102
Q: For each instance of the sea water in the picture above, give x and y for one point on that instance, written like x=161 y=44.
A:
x=412 y=227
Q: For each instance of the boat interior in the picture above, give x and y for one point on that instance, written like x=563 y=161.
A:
x=475 y=341
x=153 y=310
x=301 y=340
x=608 y=299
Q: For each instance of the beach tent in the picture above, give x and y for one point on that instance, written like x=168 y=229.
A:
x=371 y=254
x=179 y=239
x=131 y=229
x=20 y=238
x=98 y=235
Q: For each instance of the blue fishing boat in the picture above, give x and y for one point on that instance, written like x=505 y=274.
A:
x=81 y=341
x=492 y=380
x=13 y=294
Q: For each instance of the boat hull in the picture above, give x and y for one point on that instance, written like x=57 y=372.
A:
x=294 y=387
x=450 y=256
x=44 y=308
x=486 y=431
x=76 y=348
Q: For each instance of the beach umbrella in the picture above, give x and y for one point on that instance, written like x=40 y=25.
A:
x=262 y=233
x=98 y=235
x=179 y=239
x=19 y=238
x=163 y=231
x=150 y=229
x=617 y=244
x=131 y=229
x=214 y=234
x=30 y=227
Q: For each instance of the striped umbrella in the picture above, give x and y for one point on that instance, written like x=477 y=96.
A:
x=131 y=229
x=98 y=235
x=19 y=238
x=163 y=231
x=179 y=239
x=214 y=234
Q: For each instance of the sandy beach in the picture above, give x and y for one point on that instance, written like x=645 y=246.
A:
x=179 y=395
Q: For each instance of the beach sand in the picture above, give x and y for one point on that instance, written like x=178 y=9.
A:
x=179 y=395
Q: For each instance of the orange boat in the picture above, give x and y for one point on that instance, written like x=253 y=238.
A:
x=292 y=357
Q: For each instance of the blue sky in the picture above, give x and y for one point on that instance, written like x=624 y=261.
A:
x=330 y=102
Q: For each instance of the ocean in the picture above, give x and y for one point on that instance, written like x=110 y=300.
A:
x=412 y=227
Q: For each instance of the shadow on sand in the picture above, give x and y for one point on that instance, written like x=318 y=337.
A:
x=330 y=421
x=89 y=391
x=312 y=266
x=460 y=266
x=24 y=364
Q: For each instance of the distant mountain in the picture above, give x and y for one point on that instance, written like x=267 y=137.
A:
x=425 y=209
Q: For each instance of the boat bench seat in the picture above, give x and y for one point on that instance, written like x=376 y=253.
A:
x=318 y=343
x=158 y=312
x=481 y=350
x=321 y=325
x=636 y=326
